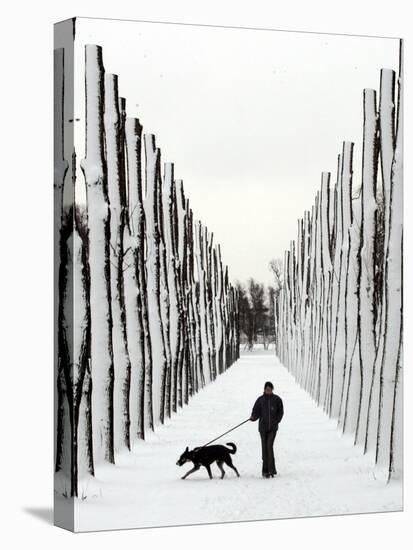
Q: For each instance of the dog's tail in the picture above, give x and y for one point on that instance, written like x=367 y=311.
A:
x=234 y=448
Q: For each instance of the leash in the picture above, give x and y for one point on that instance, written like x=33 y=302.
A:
x=225 y=433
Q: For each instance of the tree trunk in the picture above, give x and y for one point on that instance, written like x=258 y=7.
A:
x=61 y=166
x=135 y=288
x=94 y=169
x=173 y=271
x=116 y=192
x=82 y=444
x=326 y=274
x=153 y=262
x=164 y=302
x=200 y=258
x=340 y=343
x=387 y=143
x=350 y=404
x=387 y=455
x=366 y=318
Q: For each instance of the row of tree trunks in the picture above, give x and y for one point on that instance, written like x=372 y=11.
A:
x=140 y=330
x=339 y=311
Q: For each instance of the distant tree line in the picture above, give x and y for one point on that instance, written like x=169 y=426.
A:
x=256 y=313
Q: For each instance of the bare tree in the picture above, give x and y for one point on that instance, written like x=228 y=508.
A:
x=95 y=172
x=276 y=267
x=139 y=340
x=62 y=225
x=173 y=273
x=387 y=138
x=154 y=275
x=202 y=300
x=118 y=211
x=389 y=455
x=366 y=317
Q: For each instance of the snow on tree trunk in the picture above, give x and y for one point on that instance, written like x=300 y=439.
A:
x=186 y=280
x=209 y=239
x=366 y=318
x=181 y=231
x=153 y=263
x=340 y=346
x=173 y=272
x=220 y=310
x=139 y=339
x=326 y=273
x=331 y=290
x=387 y=454
x=387 y=143
x=306 y=297
x=74 y=451
x=82 y=444
x=192 y=307
x=115 y=183
x=165 y=303
x=188 y=367
x=61 y=219
x=64 y=456
x=220 y=300
x=319 y=302
x=94 y=169
x=200 y=258
x=335 y=290
x=229 y=322
x=350 y=403
x=298 y=284
x=312 y=374
x=193 y=298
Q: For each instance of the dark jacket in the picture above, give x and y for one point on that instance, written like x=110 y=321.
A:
x=269 y=410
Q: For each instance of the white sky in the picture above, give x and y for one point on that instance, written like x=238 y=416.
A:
x=250 y=118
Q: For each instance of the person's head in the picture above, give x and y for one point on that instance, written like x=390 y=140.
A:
x=268 y=388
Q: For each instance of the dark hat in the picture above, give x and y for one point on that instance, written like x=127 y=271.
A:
x=268 y=385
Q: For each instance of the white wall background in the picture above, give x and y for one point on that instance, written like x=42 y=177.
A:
x=26 y=272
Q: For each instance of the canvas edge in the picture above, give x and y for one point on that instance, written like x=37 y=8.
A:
x=64 y=33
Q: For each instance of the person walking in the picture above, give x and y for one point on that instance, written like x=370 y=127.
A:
x=269 y=410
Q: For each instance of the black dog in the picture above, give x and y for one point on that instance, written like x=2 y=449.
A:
x=205 y=456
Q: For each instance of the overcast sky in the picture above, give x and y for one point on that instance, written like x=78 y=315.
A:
x=250 y=118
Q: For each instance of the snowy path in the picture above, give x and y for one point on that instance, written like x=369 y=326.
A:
x=320 y=471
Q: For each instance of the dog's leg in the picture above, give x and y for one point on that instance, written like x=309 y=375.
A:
x=208 y=467
x=191 y=471
x=228 y=462
x=235 y=470
x=219 y=464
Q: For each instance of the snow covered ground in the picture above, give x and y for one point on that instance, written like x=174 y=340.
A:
x=320 y=471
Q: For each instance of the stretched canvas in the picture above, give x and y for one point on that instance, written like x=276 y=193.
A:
x=228 y=229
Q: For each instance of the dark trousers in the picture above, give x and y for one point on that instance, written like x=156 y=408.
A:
x=267 y=445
